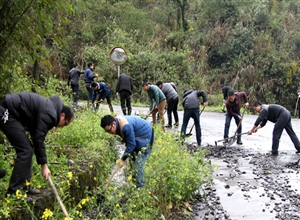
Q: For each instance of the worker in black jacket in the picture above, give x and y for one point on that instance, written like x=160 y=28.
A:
x=124 y=89
x=21 y=112
x=282 y=119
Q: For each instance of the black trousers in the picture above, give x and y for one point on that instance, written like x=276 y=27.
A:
x=16 y=135
x=125 y=99
x=172 y=107
x=75 y=89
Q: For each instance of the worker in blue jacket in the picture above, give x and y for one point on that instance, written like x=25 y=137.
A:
x=103 y=91
x=138 y=135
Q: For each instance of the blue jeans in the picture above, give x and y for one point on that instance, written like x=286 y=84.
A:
x=139 y=166
x=227 y=125
x=191 y=113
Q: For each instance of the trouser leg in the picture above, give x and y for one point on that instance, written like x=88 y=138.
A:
x=278 y=129
x=292 y=134
x=139 y=166
x=128 y=104
x=227 y=125
x=239 y=129
x=109 y=104
x=75 y=88
x=16 y=135
x=122 y=100
x=161 y=108
x=174 y=109
x=90 y=93
x=196 y=117
x=185 y=121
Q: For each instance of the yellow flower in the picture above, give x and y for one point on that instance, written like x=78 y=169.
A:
x=70 y=175
x=129 y=178
x=27 y=183
x=91 y=166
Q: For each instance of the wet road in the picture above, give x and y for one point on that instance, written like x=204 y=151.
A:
x=241 y=188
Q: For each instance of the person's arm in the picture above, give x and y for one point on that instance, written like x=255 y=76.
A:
x=45 y=171
x=38 y=136
x=129 y=138
x=69 y=78
x=245 y=99
x=105 y=92
x=156 y=97
x=203 y=94
x=254 y=129
x=150 y=99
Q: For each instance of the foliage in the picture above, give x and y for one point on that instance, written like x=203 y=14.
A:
x=80 y=159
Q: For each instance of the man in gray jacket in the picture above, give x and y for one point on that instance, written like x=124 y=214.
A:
x=172 y=102
x=73 y=78
x=190 y=103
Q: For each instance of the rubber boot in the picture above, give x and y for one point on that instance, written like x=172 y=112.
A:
x=129 y=111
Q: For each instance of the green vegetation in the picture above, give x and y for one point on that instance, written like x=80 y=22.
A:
x=81 y=157
x=250 y=45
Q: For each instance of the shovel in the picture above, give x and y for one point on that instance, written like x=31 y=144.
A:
x=190 y=133
x=295 y=113
x=58 y=198
x=101 y=197
x=231 y=140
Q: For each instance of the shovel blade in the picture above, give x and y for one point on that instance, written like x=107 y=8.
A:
x=231 y=140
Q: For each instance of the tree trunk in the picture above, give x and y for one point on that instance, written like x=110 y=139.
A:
x=36 y=70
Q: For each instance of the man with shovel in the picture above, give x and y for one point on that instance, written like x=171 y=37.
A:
x=233 y=106
x=282 y=119
x=138 y=136
x=190 y=103
x=29 y=112
x=156 y=96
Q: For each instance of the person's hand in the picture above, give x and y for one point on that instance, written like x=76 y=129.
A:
x=250 y=132
x=121 y=163
x=246 y=104
x=45 y=171
x=101 y=100
x=156 y=107
x=96 y=75
x=205 y=103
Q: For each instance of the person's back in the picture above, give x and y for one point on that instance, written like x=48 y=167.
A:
x=169 y=91
x=190 y=99
x=124 y=83
x=124 y=89
x=29 y=107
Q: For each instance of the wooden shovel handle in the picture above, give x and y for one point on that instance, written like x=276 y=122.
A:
x=58 y=198
x=115 y=170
